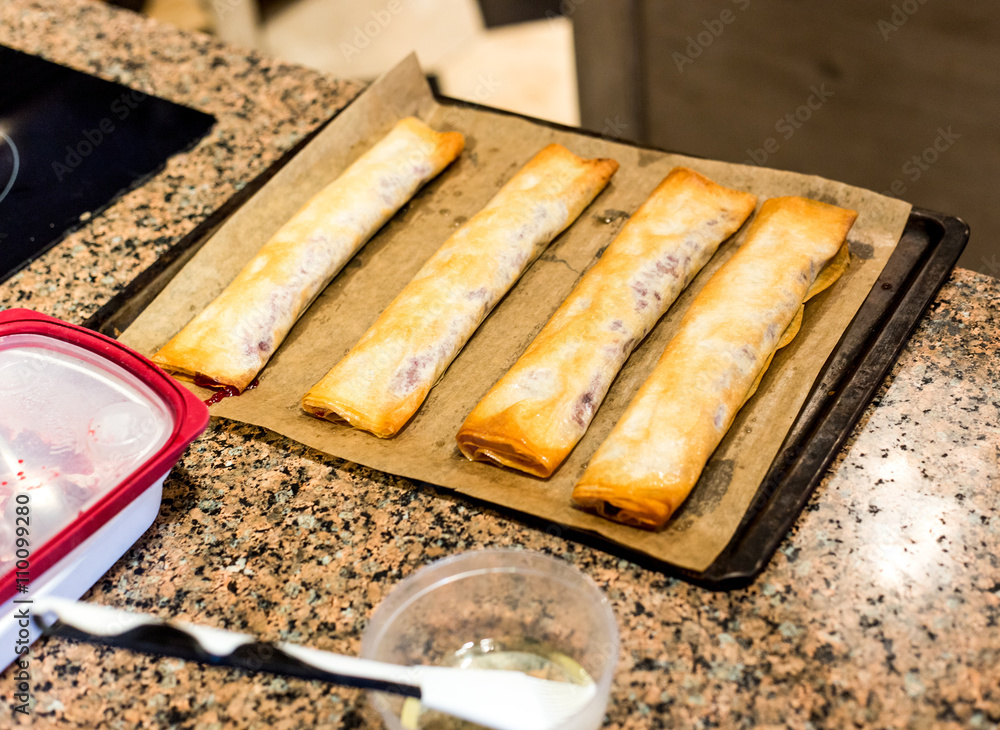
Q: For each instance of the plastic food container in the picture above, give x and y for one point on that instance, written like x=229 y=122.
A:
x=89 y=429
x=496 y=609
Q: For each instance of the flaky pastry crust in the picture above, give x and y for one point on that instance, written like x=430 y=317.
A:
x=379 y=385
x=538 y=411
x=653 y=457
x=231 y=340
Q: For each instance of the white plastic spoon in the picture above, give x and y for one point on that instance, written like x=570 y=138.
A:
x=504 y=700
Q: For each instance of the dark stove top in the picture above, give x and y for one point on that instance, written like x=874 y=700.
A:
x=70 y=144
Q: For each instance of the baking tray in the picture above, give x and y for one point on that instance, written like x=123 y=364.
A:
x=927 y=251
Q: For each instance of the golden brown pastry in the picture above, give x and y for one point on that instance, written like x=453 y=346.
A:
x=385 y=377
x=654 y=455
x=229 y=342
x=536 y=413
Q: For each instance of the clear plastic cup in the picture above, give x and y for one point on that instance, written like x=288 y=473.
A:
x=509 y=609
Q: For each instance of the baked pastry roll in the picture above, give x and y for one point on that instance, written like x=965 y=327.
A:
x=229 y=342
x=752 y=305
x=537 y=412
x=385 y=377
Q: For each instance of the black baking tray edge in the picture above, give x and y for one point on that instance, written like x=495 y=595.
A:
x=924 y=257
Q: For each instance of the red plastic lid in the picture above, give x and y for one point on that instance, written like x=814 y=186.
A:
x=141 y=422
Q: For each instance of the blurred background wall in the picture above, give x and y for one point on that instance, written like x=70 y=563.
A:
x=900 y=96
x=512 y=54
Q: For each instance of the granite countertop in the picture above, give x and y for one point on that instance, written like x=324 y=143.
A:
x=881 y=608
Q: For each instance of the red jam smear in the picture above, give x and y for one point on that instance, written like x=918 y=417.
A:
x=225 y=391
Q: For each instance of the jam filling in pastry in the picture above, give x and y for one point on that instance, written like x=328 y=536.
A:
x=231 y=340
x=536 y=413
x=386 y=376
x=751 y=306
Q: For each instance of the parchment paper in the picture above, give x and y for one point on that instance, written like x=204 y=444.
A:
x=496 y=146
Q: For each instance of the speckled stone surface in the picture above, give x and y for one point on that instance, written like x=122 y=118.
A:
x=263 y=107
x=881 y=609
